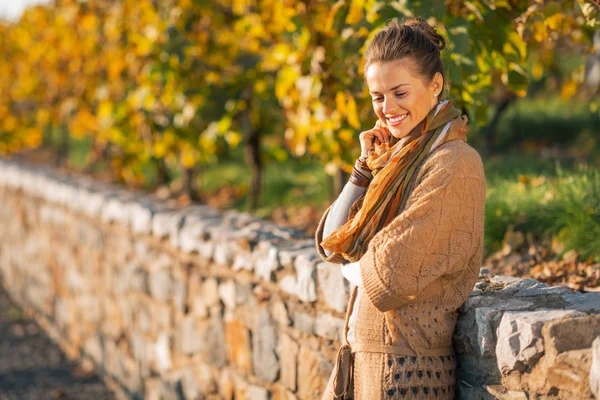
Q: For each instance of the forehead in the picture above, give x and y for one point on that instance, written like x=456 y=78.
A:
x=382 y=76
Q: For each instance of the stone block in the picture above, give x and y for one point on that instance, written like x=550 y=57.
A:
x=305 y=265
x=303 y=285
x=570 y=333
x=595 y=368
x=280 y=313
x=486 y=320
x=289 y=250
x=522 y=344
x=266 y=260
x=329 y=327
x=501 y=393
x=585 y=302
x=213 y=345
x=141 y=210
x=304 y=322
x=570 y=373
x=166 y=223
x=288 y=354
x=188 y=339
x=233 y=294
x=205 y=379
x=237 y=340
x=257 y=393
x=333 y=286
x=314 y=371
x=162 y=353
x=264 y=345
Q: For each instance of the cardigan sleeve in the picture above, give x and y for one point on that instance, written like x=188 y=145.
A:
x=437 y=233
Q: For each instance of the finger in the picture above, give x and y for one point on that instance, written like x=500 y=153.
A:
x=380 y=136
x=383 y=134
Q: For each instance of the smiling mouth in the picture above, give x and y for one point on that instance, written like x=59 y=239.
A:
x=397 y=120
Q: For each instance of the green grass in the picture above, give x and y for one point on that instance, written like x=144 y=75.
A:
x=546 y=121
x=562 y=204
x=294 y=182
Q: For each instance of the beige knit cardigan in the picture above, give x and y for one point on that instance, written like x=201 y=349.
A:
x=422 y=266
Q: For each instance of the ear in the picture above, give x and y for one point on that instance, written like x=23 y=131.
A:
x=437 y=83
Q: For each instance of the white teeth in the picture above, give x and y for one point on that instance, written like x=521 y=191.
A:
x=397 y=119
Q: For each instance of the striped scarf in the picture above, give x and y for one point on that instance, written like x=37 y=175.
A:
x=393 y=165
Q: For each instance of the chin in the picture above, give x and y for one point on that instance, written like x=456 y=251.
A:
x=399 y=133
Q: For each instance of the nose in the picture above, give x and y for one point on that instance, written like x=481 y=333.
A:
x=388 y=104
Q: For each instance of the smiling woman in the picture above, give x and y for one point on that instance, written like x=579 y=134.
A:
x=407 y=227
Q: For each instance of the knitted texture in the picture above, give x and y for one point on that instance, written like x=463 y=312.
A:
x=416 y=272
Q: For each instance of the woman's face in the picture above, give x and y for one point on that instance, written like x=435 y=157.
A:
x=401 y=98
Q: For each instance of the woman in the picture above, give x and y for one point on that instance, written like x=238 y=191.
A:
x=407 y=227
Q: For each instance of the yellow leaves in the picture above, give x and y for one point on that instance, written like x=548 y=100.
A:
x=42 y=117
x=260 y=86
x=32 y=137
x=346 y=106
x=340 y=103
x=286 y=79
x=332 y=13
x=537 y=71
x=212 y=77
x=9 y=123
x=356 y=12
x=159 y=149
x=516 y=42
x=233 y=138
x=568 y=89
x=540 y=33
x=83 y=123
x=352 y=113
x=347 y=135
x=88 y=23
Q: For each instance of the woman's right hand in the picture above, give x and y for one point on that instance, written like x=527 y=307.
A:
x=367 y=138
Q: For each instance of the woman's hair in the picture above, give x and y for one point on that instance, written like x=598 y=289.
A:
x=412 y=37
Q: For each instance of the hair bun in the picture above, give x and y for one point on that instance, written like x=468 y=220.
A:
x=419 y=24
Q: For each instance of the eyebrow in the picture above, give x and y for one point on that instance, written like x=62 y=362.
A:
x=394 y=88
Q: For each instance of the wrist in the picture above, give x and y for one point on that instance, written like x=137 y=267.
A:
x=361 y=163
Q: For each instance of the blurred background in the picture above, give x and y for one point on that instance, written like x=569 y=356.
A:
x=257 y=105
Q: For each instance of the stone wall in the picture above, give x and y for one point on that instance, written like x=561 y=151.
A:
x=195 y=303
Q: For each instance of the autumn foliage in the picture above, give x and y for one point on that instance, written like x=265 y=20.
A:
x=176 y=83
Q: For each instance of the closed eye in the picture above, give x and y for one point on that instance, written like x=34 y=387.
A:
x=399 y=95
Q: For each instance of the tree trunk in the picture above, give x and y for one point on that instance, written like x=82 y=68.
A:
x=252 y=136
x=252 y=152
x=491 y=128
x=162 y=173
x=188 y=187
x=63 y=146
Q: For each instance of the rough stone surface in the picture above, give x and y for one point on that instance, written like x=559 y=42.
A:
x=264 y=345
x=595 y=368
x=288 y=353
x=239 y=350
x=523 y=344
x=328 y=326
x=333 y=285
x=314 y=371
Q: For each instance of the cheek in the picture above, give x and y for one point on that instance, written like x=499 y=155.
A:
x=378 y=109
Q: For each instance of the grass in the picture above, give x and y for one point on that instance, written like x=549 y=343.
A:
x=562 y=204
x=294 y=182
